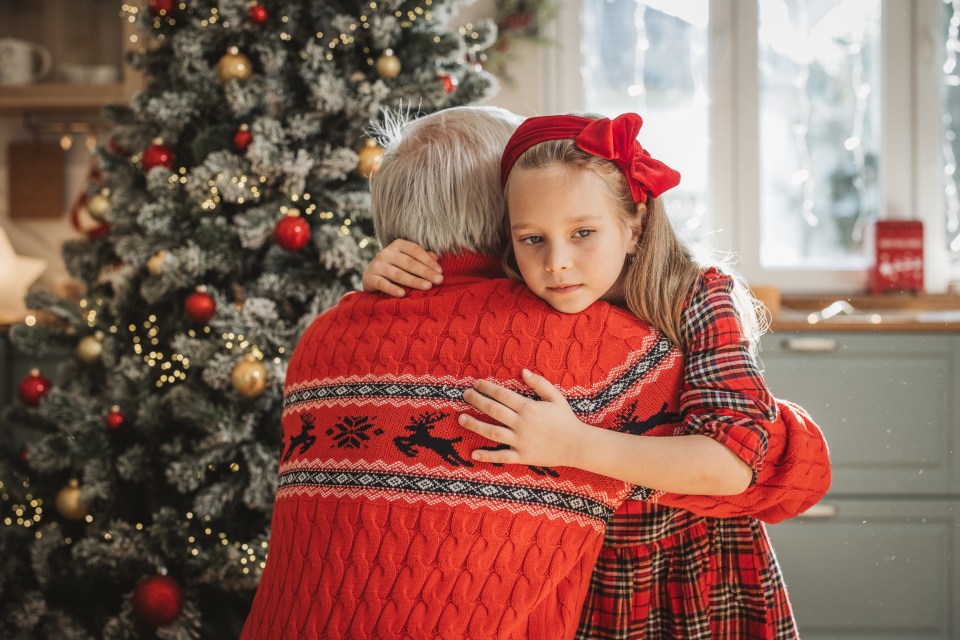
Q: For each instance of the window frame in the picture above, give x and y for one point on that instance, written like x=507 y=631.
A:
x=910 y=166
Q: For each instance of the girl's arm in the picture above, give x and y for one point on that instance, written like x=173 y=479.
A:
x=402 y=263
x=548 y=433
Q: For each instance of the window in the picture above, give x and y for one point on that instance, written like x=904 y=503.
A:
x=651 y=58
x=794 y=123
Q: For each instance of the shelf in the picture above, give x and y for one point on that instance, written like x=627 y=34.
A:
x=49 y=96
x=83 y=40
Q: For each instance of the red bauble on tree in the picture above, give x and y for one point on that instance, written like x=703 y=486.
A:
x=242 y=138
x=157 y=155
x=115 y=418
x=449 y=83
x=200 y=306
x=114 y=147
x=258 y=14
x=33 y=388
x=162 y=7
x=157 y=600
x=292 y=232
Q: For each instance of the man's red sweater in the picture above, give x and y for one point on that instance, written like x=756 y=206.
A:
x=384 y=527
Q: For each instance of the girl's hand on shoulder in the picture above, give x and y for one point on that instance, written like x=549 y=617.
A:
x=402 y=263
x=542 y=433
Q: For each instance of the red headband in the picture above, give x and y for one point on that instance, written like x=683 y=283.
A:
x=614 y=140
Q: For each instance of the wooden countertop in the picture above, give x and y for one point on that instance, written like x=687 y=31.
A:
x=900 y=313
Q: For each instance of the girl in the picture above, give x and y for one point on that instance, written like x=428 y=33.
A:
x=586 y=223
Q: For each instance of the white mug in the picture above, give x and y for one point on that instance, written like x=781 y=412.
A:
x=18 y=61
x=88 y=74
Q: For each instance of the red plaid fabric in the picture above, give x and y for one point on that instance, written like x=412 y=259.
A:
x=724 y=395
x=667 y=573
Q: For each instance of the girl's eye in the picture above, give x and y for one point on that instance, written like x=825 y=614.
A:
x=583 y=233
x=531 y=239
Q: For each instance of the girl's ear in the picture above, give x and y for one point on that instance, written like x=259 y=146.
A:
x=637 y=227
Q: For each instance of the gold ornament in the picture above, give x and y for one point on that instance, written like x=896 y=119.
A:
x=388 y=65
x=98 y=205
x=90 y=348
x=234 y=65
x=69 y=504
x=249 y=378
x=370 y=157
x=155 y=264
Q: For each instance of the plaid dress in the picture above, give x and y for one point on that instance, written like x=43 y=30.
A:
x=667 y=573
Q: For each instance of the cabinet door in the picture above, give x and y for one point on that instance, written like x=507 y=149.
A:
x=864 y=569
x=887 y=403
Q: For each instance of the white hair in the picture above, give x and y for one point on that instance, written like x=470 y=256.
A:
x=439 y=182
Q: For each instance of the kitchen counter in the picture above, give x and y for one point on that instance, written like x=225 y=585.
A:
x=904 y=313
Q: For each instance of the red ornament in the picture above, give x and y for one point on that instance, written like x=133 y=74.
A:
x=157 y=155
x=115 y=418
x=157 y=600
x=292 y=233
x=200 y=306
x=258 y=14
x=449 y=83
x=33 y=388
x=517 y=21
x=25 y=454
x=162 y=7
x=114 y=147
x=242 y=138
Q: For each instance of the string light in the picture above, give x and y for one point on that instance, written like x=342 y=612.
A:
x=951 y=81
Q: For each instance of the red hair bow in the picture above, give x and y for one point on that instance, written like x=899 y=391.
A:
x=616 y=140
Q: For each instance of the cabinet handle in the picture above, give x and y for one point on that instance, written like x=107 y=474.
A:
x=820 y=511
x=811 y=345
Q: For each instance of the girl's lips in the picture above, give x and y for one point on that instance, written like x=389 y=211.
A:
x=564 y=288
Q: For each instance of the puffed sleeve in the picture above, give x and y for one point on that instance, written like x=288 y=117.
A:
x=724 y=395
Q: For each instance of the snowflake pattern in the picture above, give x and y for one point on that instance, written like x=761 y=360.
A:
x=352 y=432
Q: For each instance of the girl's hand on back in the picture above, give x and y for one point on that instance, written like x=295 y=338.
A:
x=402 y=263
x=543 y=433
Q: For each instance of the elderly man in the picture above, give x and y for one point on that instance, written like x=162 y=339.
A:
x=383 y=526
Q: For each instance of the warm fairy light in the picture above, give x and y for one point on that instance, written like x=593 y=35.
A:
x=951 y=79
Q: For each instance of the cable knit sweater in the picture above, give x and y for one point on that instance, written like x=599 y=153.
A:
x=384 y=527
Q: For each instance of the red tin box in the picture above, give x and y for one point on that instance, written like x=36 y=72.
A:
x=898 y=265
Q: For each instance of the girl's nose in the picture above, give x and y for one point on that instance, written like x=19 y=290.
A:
x=557 y=260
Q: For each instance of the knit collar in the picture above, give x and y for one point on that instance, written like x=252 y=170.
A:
x=469 y=267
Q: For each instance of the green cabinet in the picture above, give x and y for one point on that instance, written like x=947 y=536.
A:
x=879 y=556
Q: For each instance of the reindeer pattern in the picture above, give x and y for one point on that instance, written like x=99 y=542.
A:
x=352 y=432
x=420 y=428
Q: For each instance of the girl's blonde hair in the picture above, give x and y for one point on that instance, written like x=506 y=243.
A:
x=663 y=272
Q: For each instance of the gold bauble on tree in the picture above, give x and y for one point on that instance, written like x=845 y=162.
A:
x=234 y=66
x=155 y=264
x=98 y=205
x=90 y=348
x=249 y=377
x=370 y=157
x=69 y=504
x=388 y=65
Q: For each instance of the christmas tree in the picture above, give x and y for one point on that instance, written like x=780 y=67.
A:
x=139 y=476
